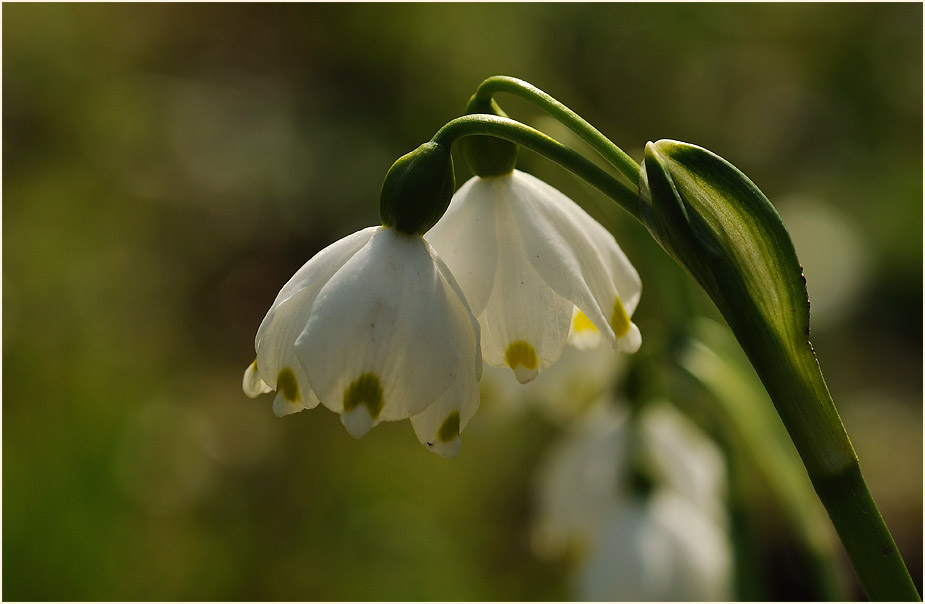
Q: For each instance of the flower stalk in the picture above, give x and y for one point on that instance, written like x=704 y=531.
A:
x=530 y=138
x=574 y=122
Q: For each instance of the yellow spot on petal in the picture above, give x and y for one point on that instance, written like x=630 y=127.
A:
x=519 y=353
x=450 y=428
x=365 y=390
x=581 y=322
x=619 y=320
x=287 y=384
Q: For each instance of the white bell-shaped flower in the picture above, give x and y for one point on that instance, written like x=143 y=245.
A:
x=659 y=549
x=669 y=544
x=586 y=473
x=375 y=328
x=526 y=256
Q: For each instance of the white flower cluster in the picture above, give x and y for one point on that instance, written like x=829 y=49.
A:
x=376 y=327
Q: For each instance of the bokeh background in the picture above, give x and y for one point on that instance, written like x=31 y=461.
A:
x=166 y=168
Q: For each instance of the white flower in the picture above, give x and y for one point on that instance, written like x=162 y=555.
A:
x=526 y=256
x=669 y=544
x=587 y=472
x=661 y=549
x=375 y=328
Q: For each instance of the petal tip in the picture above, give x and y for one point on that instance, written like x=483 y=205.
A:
x=521 y=358
x=282 y=406
x=631 y=341
x=445 y=449
x=253 y=385
x=524 y=374
x=357 y=420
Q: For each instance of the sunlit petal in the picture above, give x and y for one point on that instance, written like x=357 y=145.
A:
x=383 y=320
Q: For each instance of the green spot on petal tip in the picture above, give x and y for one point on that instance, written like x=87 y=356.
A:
x=288 y=385
x=365 y=390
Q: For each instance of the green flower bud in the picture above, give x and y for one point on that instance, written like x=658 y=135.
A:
x=417 y=189
x=486 y=155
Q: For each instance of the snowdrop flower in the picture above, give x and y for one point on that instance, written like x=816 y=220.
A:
x=669 y=544
x=661 y=549
x=586 y=474
x=375 y=328
x=527 y=257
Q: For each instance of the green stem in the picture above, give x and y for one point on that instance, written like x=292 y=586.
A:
x=866 y=538
x=525 y=136
x=588 y=133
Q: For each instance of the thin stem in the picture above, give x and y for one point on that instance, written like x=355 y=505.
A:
x=588 y=133
x=525 y=136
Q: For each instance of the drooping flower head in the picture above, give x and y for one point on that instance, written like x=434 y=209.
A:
x=535 y=267
x=375 y=328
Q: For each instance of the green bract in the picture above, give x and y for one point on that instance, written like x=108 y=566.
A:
x=417 y=189
x=486 y=155
x=716 y=223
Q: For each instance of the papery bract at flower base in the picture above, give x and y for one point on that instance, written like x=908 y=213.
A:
x=375 y=328
x=526 y=256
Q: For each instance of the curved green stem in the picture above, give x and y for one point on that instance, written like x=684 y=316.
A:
x=588 y=133
x=525 y=136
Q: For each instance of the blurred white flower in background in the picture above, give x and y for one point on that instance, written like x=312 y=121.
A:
x=526 y=256
x=662 y=548
x=667 y=541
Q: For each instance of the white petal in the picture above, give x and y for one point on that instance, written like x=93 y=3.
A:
x=630 y=342
x=379 y=332
x=525 y=323
x=276 y=349
x=254 y=386
x=573 y=253
x=358 y=421
x=438 y=427
x=287 y=317
x=317 y=271
x=584 y=335
x=465 y=239
x=283 y=406
x=455 y=293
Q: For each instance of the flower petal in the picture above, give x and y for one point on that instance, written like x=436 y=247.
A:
x=583 y=335
x=317 y=271
x=254 y=386
x=277 y=363
x=576 y=256
x=465 y=239
x=525 y=323
x=438 y=427
x=382 y=318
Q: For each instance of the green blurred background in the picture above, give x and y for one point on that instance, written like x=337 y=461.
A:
x=166 y=168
